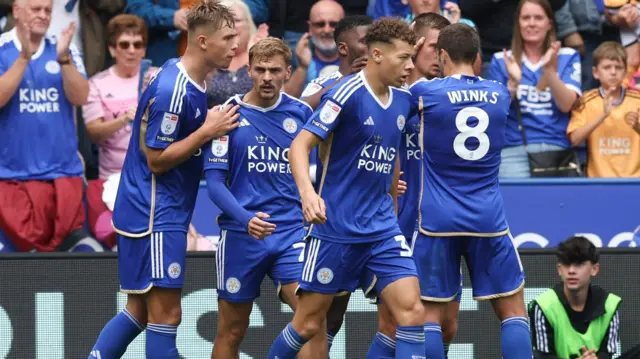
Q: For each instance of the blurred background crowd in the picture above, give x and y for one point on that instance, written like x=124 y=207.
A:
x=67 y=121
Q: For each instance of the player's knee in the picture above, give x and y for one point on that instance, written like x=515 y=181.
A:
x=308 y=327
x=137 y=307
x=411 y=314
x=449 y=329
x=166 y=315
x=511 y=306
x=233 y=333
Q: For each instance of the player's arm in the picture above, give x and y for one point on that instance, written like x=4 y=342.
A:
x=315 y=98
x=580 y=128
x=12 y=77
x=74 y=78
x=299 y=154
x=564 y=90
x=224 y=199
x=164 y=152
x=542 y=336
x=394 y=183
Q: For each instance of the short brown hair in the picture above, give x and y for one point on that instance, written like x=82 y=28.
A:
x=461 y=42
x=427 y=21
x=126 y=23
x=609 y=50
x=268 y=48
x=210 y=13
x=386 y=30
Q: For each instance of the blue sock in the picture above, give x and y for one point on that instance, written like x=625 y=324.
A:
x=409 y=341
x=434 y=349
x=161 y=341
x=446 y=348
x=116 y=336
x=287 y=344
x=382 y=347
x=515 y=339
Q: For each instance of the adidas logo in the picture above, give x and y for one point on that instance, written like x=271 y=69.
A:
x=95 y=354
x=244 y=122
x=197 y=113
x=109 y=95
x=369 y=121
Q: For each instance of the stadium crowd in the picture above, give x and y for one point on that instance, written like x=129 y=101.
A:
x=79 y=64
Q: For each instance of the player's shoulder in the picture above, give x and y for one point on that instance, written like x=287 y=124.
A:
x=296 y=103
x=328 y=79
x=345 y=90
x=587 y=98
x=494 y=84
x=7 y=40
x=499 y=56
x=424 y=84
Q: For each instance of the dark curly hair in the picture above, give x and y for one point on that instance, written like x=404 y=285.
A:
x=386 y=30
x=576 y=250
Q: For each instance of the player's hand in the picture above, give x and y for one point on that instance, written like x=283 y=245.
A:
x=62 y=46
x=418 y=45
x=220 y=121
x=549 y=59
x=609 y=100
x=452 y=12
x=314 y=209
x=303 y=52
x=260 y=229
x=180 y=19
x=513 y=68
x=588 y=354
x=358 y=64
x=633 y=119
x=24 y=36
x=262 y=33
x=576 y=42
x=402 y=186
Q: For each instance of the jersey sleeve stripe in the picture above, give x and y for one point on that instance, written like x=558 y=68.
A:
x=346 y=97
x=183 y=94
x=177 y=88
x=574 y=89
x=346 y=87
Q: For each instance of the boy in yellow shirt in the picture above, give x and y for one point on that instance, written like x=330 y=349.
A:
x=608 y=118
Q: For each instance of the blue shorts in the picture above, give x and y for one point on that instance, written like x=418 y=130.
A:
x=157 y=260
x=331 y=267
x=243 y=261
x=494 y=266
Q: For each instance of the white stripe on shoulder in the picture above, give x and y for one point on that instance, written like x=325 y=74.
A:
x=499 y=55
x=176 y=97
x=347 y=89
x=6 y=37
x=401 y=89
x=567 y=51
x=298 y=100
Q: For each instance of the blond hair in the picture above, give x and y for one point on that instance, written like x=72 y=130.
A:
x=268 y=48
x=609 y=50
x=209 y=13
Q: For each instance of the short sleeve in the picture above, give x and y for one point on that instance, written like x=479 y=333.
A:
x=3 y=65
x=76 y=57
x=93 y=109
x=325 y=119
x=216 y=154
x=572 y=72
x=163 y=121
x=497 y=71
x=311 y=89
x=578 y=118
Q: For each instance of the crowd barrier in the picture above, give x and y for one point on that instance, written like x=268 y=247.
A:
x=53 y=306
x=541 y=212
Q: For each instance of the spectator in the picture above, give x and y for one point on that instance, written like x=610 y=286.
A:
x=575 y=319
x=489 y=17
x=624 y=14
x=90 y=32
x=182 y=42
x=317 y=51
x=448 y=9
x=165 y=21
x=545 y=81
x=259 y=10
x=607 y=118
x=41 y=183
x=288 y=19
x=225 y=83
x=581 y=26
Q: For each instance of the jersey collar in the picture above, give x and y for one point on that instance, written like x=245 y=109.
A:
x=16 y=42
x=366 y=85
x=615 y=104
x=258 y=108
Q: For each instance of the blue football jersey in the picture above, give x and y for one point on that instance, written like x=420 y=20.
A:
x=410 y=165
x=464 y=124
x=40 y=140
x=171 y=108
x=542 y=120
x=319 y=83
x=256 y=154
x=364 y=138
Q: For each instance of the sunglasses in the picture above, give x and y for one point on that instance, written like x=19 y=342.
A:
x=125 y=45
x=321 y=24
